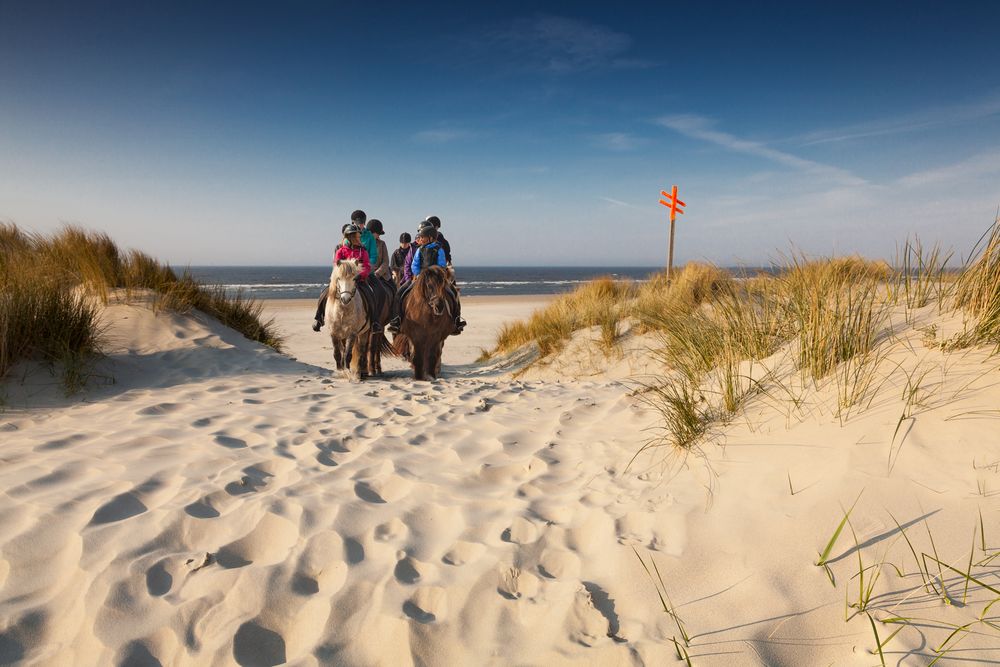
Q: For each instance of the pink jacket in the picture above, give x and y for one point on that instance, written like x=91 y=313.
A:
x=360 y=254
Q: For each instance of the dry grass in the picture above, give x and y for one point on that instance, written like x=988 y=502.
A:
x=978 y=289
x=597 y=303
x=51 y=288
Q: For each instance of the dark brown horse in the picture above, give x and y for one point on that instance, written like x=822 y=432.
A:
x=428 y=318
x=378 y=344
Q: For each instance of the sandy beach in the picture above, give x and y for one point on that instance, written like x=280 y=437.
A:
x=224 y=504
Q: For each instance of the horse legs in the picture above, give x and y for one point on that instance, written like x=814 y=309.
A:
x=375 y=353
x=338 y=353
x=354 y=359
x=437 y=362
x=362 y=343
x=419 y=361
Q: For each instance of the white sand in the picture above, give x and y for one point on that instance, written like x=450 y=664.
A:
x=222 y=504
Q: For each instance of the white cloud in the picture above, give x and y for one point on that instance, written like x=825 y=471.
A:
x=983 y=164
x=699 y=127
x=912 y=122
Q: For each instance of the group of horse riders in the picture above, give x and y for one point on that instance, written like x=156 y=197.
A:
x=382 y=277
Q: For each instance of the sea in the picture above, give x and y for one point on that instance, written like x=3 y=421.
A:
x=306 y=282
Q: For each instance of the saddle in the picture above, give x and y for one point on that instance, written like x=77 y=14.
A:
x=382 y=292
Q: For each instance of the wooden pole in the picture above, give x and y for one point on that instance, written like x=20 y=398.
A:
x=673 y=216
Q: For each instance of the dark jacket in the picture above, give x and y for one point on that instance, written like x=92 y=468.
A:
x=445 y=246
x=396 y=262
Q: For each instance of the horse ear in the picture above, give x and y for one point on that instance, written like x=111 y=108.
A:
x=339 y=261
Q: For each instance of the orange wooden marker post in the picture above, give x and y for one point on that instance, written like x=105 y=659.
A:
x=676 y=206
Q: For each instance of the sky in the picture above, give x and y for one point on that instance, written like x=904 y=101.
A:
x=540 y=133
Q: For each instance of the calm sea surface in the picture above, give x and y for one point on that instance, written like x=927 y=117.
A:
x=306 y=282
x=299 y=282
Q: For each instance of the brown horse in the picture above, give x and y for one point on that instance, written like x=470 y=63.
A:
x=428 y=318
x=377 y=343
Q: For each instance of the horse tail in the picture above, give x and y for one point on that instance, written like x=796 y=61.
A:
x=400 y=345
x=385 y=347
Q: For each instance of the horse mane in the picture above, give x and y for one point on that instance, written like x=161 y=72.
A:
x=346 y=268
x=433 y=281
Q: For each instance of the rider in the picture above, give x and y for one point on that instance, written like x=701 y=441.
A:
x=380 y=262
x=352 y=249
x=428 y=253
x=368 y=239
x=436 y=221
x=396 y=263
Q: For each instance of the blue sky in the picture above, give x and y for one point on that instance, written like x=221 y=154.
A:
x=541 y=135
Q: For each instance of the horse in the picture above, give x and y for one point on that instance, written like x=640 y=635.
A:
x=377 y=342
x=347 y=321
x=428 y=318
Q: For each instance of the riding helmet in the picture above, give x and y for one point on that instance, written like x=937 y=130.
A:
x=434 y=220
x=352 y=229
x=427 y=230
x=405 y=238
x=359 y=217
x=375 y=226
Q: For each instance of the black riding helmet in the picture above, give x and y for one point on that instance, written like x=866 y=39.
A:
x=359 y=217
x=351 y=229
x=375 y=226
x=428 y=231
x=405 y=238
x=434 y=220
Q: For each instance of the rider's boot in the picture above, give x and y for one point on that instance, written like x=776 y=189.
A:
x=459 y=325
x=317 y=325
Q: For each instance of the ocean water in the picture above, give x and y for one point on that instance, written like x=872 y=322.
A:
x=306 y=282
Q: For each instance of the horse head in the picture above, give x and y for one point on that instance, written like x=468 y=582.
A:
x=342 y=280
x=435 y=288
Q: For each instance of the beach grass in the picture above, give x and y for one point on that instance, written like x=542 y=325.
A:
x=52 y=289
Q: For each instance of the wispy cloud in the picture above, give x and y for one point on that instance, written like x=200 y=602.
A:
x=561 y=45
x=442 y=136
x=983 y=164
x=912 y=122
x=617 y=141
x=699 y=127
x=619 y=202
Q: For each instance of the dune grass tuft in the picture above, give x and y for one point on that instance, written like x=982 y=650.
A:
x=51 y=289
x=978 y=289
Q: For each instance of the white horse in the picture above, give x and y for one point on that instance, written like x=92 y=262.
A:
x=347 y=320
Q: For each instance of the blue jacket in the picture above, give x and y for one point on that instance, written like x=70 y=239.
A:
x=441 y=261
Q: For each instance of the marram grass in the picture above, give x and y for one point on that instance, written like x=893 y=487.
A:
x=51 y=288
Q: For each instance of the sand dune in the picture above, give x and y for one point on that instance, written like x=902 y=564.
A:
x=223 y=504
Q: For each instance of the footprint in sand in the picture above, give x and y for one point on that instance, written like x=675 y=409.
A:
x=464 y=552
x=392 y=530
x=409 y=570
x=61 y=443
x=521 y=531
x=229 y=442
x=587 y=624
x=121 y=507
x=515 y=583
x=634 y=528
x=428 y=605
x=320 y=567
x=559 y=564
x=159 y=410
x=159 y=579
x=257 y=646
